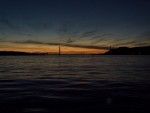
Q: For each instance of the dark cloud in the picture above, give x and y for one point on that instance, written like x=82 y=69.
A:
x=88 y=34
x=9 y=24
x=62 y=44
x=29 y=42
x=71 y=34
x=99 y=38
x=139 y=40
x=68 y=33
x=84 y=35
x=70 y=40
x=87 y=46
x=40 y=26
x=124 y=43
x=26 y=34
x=6 y=22
x=142 y=44
x=65 y=28
x=145 y=35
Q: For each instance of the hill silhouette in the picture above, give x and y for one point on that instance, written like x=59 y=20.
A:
x=129 y=51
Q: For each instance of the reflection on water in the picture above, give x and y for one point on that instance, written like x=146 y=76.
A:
x=74 y=84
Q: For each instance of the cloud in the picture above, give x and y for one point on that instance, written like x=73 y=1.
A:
x=78 y=36
x=29 y=42
x=6 y=22
x=9 y=24
x=125 y=43
x=61 y=44
x=26 y=34
x=131 y=42
x=142 y=44
x=87 y=46
x=145 y=35
x=88 y=34
x=99 y=38
x=142 y=39
x=69 y=34
x=39 y=26
x=70 y=40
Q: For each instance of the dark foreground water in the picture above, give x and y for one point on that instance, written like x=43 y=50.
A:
x=74 y=84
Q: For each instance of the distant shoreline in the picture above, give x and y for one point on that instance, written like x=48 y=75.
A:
x=116 y=51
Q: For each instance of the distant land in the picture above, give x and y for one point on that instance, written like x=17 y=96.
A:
x=129 y=51
x=112 y=51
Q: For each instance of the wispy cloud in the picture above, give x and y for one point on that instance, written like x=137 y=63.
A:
x=87 y=46
x=142 y=44
x=99 y=38
x=69 y=34
x=124 y=43
x=88 y=33
x=142 y=39
x=29 y=42
x=61 y=44
x=6 y=22
x=145 y=35
x=39 y=26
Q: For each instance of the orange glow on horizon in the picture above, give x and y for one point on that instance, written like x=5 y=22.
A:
x=34 y=48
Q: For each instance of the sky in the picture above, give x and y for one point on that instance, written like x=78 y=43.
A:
x=78 y=26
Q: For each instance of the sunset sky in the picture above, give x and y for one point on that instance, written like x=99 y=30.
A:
x=79 y=26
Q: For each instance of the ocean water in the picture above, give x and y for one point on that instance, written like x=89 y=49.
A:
x=75 y=84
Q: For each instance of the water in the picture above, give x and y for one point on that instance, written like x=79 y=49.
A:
x=74 y=84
